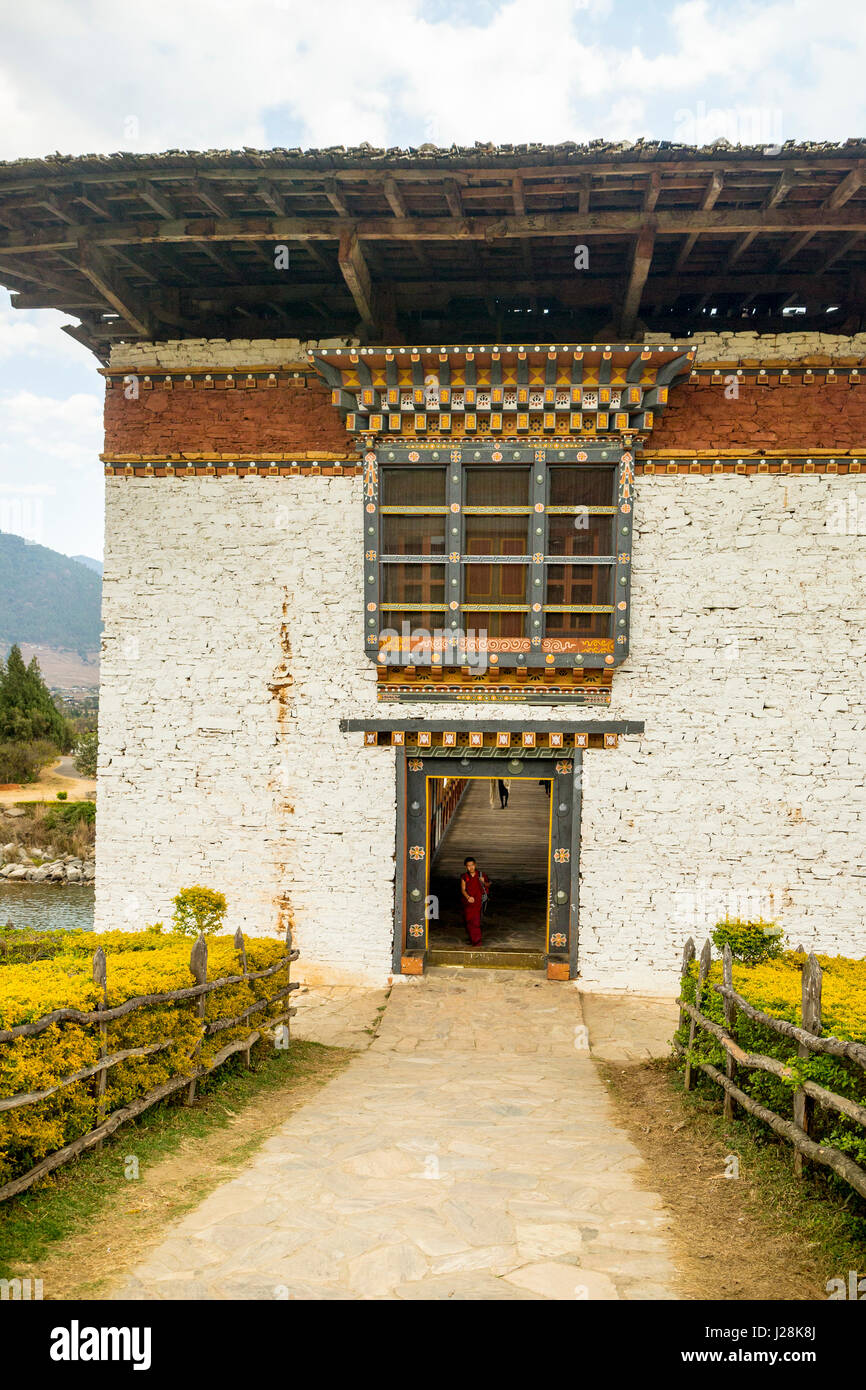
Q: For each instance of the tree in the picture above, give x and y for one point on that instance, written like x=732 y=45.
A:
x=86 y=752
x=27 y=708
x=197 y=910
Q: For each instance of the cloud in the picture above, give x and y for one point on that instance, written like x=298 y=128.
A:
x=213 y=73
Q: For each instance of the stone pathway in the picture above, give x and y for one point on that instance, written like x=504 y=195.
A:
x=629 y=1027
x=469 y=1153
x=337 y=1015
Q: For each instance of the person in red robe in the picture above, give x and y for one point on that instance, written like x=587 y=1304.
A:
x=473 y=888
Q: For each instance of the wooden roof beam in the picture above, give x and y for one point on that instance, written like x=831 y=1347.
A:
x=395 y=199
x=335 y=197
x=453 y=198
x=397 y=204
x=156 y=199
x=641 y=261
x=211 y=199
x=794 y=246
x=357 y=277
x=711 y=192
x=518 y=195
x=271 y=197
x=846 y=189
x=836 y=199
x=89 y=199
x=59 y=209
x=780 y=190
x=225 y=263
x=843 y=247
x=653 y=189
x=584 y=195
x=741 y=245
x=111 y=285
x=451 y=228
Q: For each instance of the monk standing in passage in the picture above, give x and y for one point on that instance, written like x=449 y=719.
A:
x=473 y=888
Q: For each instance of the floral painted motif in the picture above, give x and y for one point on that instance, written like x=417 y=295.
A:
x=562 y=856
x=415 y=765
x=563 y=767
x=370 y=555
x=416 y=852
x=416 y=929
x=558 y=939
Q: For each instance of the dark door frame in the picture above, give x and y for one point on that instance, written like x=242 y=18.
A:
x=564 y=768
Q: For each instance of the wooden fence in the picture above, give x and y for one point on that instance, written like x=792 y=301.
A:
x=806 y=1094
x=100 y=1018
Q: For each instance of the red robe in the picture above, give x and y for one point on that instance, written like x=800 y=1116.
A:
x=474 y=885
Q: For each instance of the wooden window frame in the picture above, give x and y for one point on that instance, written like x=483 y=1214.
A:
x=535 y=648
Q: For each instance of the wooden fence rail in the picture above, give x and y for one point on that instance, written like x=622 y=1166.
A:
x=806 y=1095
x=101 y=1017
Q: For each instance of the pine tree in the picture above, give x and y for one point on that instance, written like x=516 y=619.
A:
x=27 y=709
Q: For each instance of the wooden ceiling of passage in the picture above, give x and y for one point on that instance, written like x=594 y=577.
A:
x=445 y=246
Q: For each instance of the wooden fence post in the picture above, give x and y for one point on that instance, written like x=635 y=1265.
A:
x=688 y=957
x=730 y=1107
x=804 y=1105
x=242 y=952
x=198 y=967
x=703 y=972
x=100 y=978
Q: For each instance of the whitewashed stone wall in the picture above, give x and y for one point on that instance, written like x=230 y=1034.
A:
x=233 y=647
x=746 y=791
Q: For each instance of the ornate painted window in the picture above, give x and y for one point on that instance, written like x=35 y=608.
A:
x=480 y=556
x=499 y=512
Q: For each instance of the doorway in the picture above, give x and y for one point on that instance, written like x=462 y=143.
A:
x=504 y=824
x=442 y=818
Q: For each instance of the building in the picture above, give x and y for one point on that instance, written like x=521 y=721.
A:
x=534 y=460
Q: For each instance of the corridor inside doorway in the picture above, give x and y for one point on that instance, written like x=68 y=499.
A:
x=511 y=845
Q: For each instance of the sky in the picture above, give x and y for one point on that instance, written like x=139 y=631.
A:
x=95 y=76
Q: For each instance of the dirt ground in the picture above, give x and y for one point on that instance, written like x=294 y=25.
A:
x=725 y=1241
x=92 y=1261
x=49 y=783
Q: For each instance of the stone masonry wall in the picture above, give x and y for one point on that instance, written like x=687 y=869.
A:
x=232 y=648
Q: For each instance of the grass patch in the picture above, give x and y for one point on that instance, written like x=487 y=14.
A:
x=63 y=1220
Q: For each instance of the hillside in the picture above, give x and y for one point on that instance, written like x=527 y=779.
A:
x=47 y=599
x=89 y=561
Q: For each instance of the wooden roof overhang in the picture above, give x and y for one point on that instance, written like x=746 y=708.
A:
x=439 y=245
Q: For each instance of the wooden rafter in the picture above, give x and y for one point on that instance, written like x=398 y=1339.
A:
x=641 y=261
x=844 y=190
x=157 y=199
x=96 y=266
x=354 y=270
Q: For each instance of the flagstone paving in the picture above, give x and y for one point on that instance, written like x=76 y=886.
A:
x=469 y=1153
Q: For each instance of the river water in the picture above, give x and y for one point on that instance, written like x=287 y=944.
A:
x=45 y=906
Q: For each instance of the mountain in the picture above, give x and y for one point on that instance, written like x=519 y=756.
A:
x=47 y=600
x=88 y=560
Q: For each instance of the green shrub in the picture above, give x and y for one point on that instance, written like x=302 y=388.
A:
x=61 y=796
x=23 y=762
x=72 y=814
x=199 y=909
x=750 y=942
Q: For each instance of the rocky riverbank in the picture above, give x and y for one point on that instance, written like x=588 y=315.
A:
x=18 y=865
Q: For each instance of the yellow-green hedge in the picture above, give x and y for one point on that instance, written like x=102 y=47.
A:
x=775 y=987
x=29 y=992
